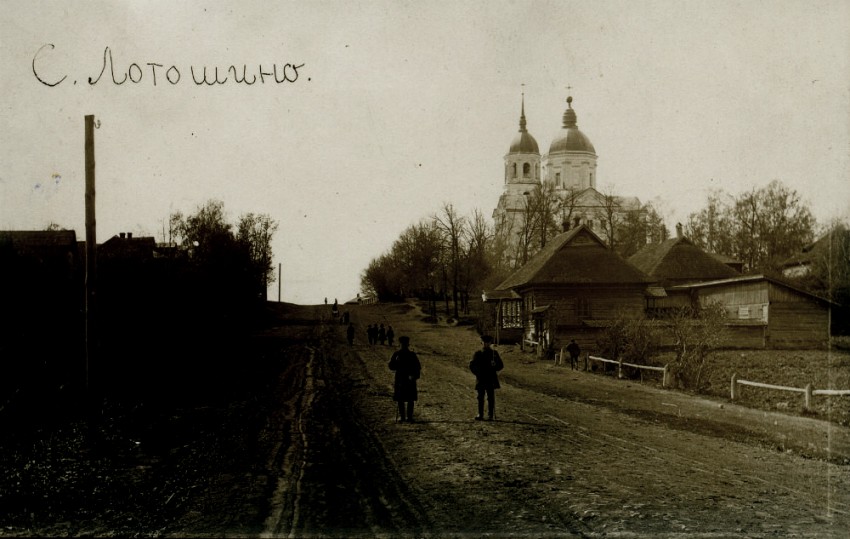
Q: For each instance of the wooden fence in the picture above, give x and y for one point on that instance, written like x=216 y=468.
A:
x=807 y=391
x=664 y=370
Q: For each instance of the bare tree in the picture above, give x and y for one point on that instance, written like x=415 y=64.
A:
x=256 y=232
x=452 y=227
x=611 y=216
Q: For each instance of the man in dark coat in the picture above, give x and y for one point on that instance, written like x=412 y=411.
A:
x=349 y=333
x=407 y=368
x=485 y=365
x=574 y=350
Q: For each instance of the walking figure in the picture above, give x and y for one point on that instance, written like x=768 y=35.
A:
x=390 y=335
x=382 y=335
x=574 y=349
x=407 y=369
x=349 y=333
x=485 y=365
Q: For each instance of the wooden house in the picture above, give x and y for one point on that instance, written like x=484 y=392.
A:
x=571 y=289
x=673 y=262
x=763 y=312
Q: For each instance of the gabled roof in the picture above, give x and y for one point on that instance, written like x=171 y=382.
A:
x=679 y=260
x=819 y=247
x=575 y=257
x=750 y=279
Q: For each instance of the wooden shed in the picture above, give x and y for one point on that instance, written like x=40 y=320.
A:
x=764 y=312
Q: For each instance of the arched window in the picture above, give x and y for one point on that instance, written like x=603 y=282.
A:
x=526 y=169
x=514 y=170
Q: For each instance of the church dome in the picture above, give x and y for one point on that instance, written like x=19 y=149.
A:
x=570 y=139
x=523 y=142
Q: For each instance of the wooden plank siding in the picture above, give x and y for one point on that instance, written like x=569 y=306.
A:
x=569 y=307
x=798 y=325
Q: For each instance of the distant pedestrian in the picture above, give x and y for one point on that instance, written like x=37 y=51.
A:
x=382 y=335
x=407 y=369
x=390 y=335
x=575 y=350
x=349 y=333
x=485 y=365
x=370 y=334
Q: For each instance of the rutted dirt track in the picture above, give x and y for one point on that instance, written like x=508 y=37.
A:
x=567 y=455
x=302 y=442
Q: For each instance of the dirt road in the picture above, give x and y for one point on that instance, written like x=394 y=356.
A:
x=570 y=454
x=304 y=444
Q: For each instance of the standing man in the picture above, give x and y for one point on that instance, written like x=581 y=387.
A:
x=485 y=365
x=407 y=368
x=349 y=333
x=574 y=350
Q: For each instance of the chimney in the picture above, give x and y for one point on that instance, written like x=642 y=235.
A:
x=678 y=230
x=122 y=235
x=129 y=235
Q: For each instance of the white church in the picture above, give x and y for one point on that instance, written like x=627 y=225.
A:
x=569 y=166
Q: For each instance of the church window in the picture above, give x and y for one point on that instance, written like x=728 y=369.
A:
x=514 y=170
x=526 y=169
x=558 y=179
x=590 y=224
x=591 y=178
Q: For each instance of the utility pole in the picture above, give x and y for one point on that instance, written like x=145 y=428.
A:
x=278 y=280
x=91 y=250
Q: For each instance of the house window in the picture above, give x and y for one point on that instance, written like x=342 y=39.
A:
x=511 y=314
x=743 y=313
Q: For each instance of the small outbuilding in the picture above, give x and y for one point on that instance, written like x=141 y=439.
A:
x=764 y=312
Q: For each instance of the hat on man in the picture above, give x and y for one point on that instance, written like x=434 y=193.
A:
x=486 y=339
x=404 y=339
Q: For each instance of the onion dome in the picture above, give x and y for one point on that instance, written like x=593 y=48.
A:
x=523 y=142
x=570 y=139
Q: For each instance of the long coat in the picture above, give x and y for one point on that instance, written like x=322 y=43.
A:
x=407 y=368
x=484 y=365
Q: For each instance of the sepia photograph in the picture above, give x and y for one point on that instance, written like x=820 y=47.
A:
x=533 y=269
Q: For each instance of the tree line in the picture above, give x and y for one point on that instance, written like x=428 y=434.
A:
x=447 y=256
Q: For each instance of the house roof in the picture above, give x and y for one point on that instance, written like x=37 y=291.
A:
x=678 y=259
x=575 y=257
x=750 y=279
x=19 y=239
x=822 y=245
x=496 y=295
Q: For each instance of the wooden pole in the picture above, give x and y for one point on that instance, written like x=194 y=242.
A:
x=279 y=275
x=91 y=249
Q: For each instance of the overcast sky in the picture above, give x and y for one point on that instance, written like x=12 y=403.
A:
x=400 y=107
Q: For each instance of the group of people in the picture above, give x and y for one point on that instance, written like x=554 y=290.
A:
x=485 y=365
x=379 y=334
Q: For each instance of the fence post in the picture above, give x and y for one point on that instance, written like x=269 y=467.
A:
x=734 y=386
x=620 y=367
x=808 y=402
x=664 y=376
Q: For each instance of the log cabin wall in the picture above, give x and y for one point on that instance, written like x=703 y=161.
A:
x=569 y=307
